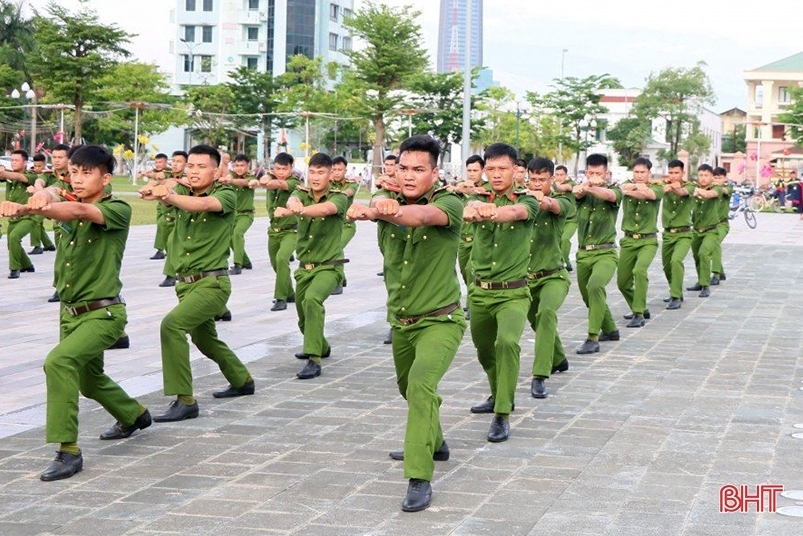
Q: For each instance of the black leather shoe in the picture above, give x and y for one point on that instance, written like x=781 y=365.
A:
x=419 y=495
x=178 y=411
x=279 y=305
x=381 y=274
x=54 y=298
x=121 y=343
x=292 y=258
x=440 y=455
x=487 y=406
x=235 y=270
x=121 y=431
x=310 y=370
x=29 y=269
x=225 y=317
x=36 y=251
x=50 y=248
x=569 y=268
x=231 y=391
x=302 y=355
x=291 y=299
x=714 y=281
x=538 y=388
x=588 y=347
x=669 y=299
x=248 y=266
x=14 y=274
x=646 y=314
x=697 y=286
x=721 y=276
x=636 y=322
x=64 y=466
x=338 y=290
x=499 y=430
x=674 y=303
x=168 y=282
x=705 y=292
x=563 y=366
x=389 y=338
x=158 y=255
x=612 y=336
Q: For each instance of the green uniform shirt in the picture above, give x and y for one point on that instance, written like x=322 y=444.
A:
x=596 y=219
x=419 y=265
x=501 y=251
x=571 y=214
x=89 y=255
x=676 y=211
x=245 y=195
x=319 y=238
x=278 y=198
x=705 y=214
x=169 y=211
x=641 y=215
x=545 y=252
x=725 y=203
x=16 y=190
x=343 y=186
x=201 y=240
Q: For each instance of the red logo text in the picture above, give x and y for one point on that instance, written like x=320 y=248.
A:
x=760 y=498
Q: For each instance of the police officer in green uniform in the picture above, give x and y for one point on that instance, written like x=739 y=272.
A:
x=676 y=238
x=17 y=181
x=723 y=228
x=40 y=241
x=419 y=233
x=597 y=207
x=159 y=167
x=498 y=297
x=547 y=277
x=320 y=210
x=94 y=232
x=640 y=203
x=204 y=222
x=282 y=231
x=705 y=221
x=349 y=188
x=564 y=185
x=243 y=182
x=178 y=163
x=469 y=187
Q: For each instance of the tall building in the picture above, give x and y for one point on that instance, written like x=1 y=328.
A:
x=452 y=35
x=215 y=37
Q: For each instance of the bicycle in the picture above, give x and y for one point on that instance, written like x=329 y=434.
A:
x=765 y=200
x=739 y=204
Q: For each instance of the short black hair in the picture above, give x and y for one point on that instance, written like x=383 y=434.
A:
x=159 y=156
x=242 y=158
x=422 y=143
x=499 y=150
x=596 y=159
x=181 y=153
x=642 y=161
x=475 y=158
x=705 y=167
x=60 y=147
x=540 y=164
x=93 y=157
x=284 y=159
x=720 y=172
x=39 y=157
x=520 y=162
x=675 y=164
x=208 y=150
x=74 y=149
x=23 y=153
x=340 y=160
x=320 y=160
x=562 y=168
x=391 y=158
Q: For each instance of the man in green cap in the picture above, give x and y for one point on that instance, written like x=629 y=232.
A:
x=498 y=297
x=721 y=180
x=204 y=222
x=349 y=188
x=705 y=221
x=44 y=177
x=564 y=185
x=243 y=182
x=676 y=238
x=419 y=233
x=466 y=189
x=640 y=204
x=94 y=226
x=17 y=180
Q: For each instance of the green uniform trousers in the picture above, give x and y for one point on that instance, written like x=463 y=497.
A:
x=674 y=249
x=349 y=230
x=723 y=229
x=160 y=240
x=548 y=294
x=703 y=246
x=595 y=270
x=281 y=245
x=464 y=259
x=312 y=289
x=242 y=222
x=76 y=364
x=569 y=228
x=198 y=303
x=39 y=236
x=17 y=230
x=632 y=278
x=169 y=268
x=422 y=353
x=497 y=322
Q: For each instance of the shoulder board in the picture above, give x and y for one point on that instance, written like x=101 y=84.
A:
x=517 y=193
x=334 y=190
x=441 y=189
x=303 y=188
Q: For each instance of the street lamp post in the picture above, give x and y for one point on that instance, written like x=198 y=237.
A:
x=30 y=95
x=409 y=112
x=137 y=106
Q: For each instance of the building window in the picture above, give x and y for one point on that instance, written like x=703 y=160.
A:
x=206 y=64
x=207 y=5
x=759 y=102
x=187 y=63
x=347 y=13
x=333 y=41
x=778 y=132
x=334 y=10
x=189 y=34
x=252 y=62
x=206 y=36
x=346 y=43
x=253 y=5
x=783 y=95
x=189 y=5
x=252 y=33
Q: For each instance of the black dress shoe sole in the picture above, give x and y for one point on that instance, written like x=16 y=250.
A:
x=438 y=456
x=563 y=366
x=248 y=389
x=302 y=355
x=191 y=414
x=142 y=422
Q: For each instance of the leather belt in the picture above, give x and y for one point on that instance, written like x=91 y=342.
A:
x=313 y=265
x=193 y=278
x=92 y=306
x=494 y=285
x=706 y=229
x=638 y=236
x=593 y=247
x=543 y=273
x=409 y=320
x=675 y=230
x=280 y=229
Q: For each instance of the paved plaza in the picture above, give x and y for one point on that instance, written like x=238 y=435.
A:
x=634 y=441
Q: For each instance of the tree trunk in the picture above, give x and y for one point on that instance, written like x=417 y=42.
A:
x=379 y=145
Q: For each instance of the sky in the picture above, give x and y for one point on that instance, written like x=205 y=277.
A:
x=524 y=39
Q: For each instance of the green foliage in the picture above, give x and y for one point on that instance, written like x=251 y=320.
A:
x=205 y=104
x=629 y=137
x=736 y=140
x=16 y=38
x=793 y=115
x=257 y=95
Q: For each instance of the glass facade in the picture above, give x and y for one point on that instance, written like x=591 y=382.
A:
x=301 y=27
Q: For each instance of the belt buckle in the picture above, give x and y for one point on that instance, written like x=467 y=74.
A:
x=485 y=285
x=309 y=266
x=72 y=310
x=591 y=247
x=636 y=236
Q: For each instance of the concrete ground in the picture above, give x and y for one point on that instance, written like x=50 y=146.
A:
x=636 y=440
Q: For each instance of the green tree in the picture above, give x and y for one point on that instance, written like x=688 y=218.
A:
x=207 y=112
x=629 y=136
x=736 y=140
x=73 y=53
x=256 y=93
x=391 y=56
x=676 y=95
x=16 y=37
x=498 y=112
x=793 y=115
